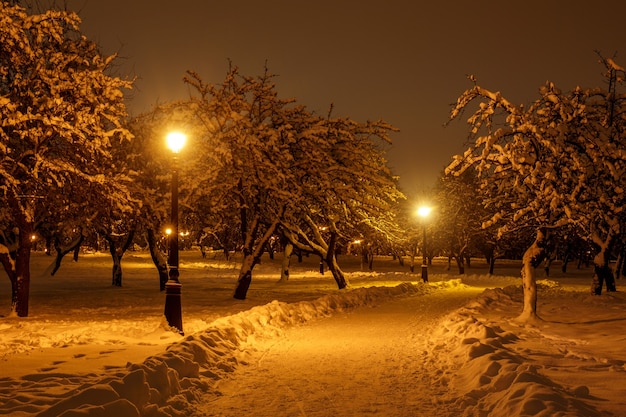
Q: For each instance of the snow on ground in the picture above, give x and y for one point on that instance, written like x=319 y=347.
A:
x=391 y=344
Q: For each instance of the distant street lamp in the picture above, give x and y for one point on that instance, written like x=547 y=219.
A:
x=423 y=212
x=173 y=287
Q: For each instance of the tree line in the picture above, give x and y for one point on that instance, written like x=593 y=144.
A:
x=75 y=165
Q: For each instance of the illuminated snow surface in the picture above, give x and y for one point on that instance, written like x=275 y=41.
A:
x=389 y=346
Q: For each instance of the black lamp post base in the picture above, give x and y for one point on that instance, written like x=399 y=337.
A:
x=425 y=273
x=173 y=306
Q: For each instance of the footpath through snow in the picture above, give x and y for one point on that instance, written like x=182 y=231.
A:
x=369 y=361
x=413 y=349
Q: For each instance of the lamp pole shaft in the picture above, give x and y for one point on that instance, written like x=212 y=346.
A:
x=424 y=258
x=173 y=260
x=173 y=307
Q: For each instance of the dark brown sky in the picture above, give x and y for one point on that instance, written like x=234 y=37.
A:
x=402 y=61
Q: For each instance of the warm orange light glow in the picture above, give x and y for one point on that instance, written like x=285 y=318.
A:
x=423 y=211
x=176 y=141
x=168 y=231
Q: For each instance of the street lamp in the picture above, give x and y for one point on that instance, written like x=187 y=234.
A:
x=423 y=212
x=173 y=287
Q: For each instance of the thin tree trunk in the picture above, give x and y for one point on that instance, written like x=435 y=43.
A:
x=284 y=269
x=17 y=266
x=601 y=268
x=566 y=260
x=252 y=251
x=620 y=263
x=532 y=258
x=61 y=252
x=333 y=266
x=21 y=293
x=158 y=258
x=460 y=264
x=245 y=277
x=116 y=255
x=116 y=273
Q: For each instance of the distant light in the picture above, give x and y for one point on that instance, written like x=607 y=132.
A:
x=424 y=211
x=356 y=242
x=33 y=237
x=176 y=141
x=168 y=231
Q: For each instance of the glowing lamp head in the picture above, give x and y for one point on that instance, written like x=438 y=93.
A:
x=176 y=141
x=423 y=211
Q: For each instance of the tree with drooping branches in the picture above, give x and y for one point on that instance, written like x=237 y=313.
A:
x=555 y=163
x=61 y=115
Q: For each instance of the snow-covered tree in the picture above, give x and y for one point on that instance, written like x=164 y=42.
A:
x=249 y=180
x=61 y=114
x=266 y=166
x=347 y=189
x=459 y=215
x=603 y=219
x=556 y=162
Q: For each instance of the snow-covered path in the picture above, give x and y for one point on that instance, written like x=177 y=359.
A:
x=389 y=346
x=367 y=361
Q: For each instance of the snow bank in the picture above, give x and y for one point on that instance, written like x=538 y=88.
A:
x=166 y=384
x=488 y=377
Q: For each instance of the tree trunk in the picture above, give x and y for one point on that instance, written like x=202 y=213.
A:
x=367 y=257
x=245 y=277
x=21 y=288
x=158 y=258
x=117 y=252
x=602 y=274
x=252 y=250
x=532 y=258
x=601 y=268
x=333 y=267
x=460 y=264
x=566 y=260
x=620 y=262
x=61 y=252
x=546 y=267
x=17 y=266
x=116 y=273
x=284 y=268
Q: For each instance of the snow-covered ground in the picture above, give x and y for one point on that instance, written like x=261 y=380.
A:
x=389 y=346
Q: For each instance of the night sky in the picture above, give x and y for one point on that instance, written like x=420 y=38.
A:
x=402 y=61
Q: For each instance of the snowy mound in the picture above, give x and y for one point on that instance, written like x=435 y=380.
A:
x=165 y=384
x=487 y=377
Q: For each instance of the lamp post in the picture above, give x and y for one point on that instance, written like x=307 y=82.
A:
x=423 y=212
x=173 y=287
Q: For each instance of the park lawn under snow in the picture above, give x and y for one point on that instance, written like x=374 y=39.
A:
x=91 y=349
